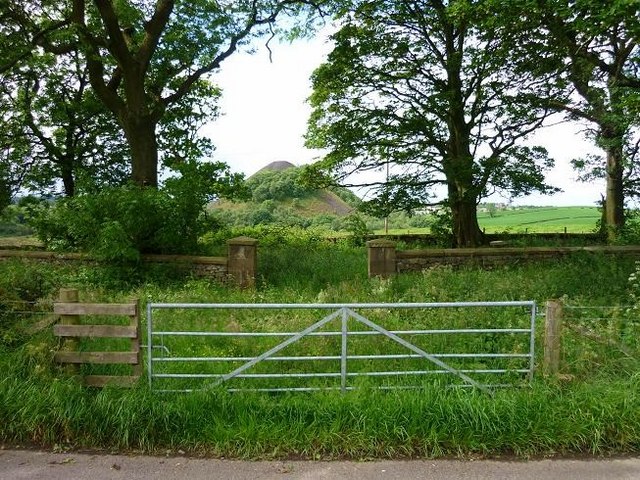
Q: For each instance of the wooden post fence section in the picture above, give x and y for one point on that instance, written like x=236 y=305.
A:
x=69 y=344
x=552 y=337
x=71 y=330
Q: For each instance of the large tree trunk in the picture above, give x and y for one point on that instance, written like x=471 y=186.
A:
x=67 y=174
x=141 y=136
x=466 y=231
x=614 y=201
x=458 y=163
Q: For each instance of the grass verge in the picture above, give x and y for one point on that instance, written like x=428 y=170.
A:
x=596 y=417
x=597 y=411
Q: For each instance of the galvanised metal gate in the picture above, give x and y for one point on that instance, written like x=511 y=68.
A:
x=198 y=346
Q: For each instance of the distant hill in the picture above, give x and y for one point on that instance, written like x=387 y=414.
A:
x=277 y=194
x=274 y=167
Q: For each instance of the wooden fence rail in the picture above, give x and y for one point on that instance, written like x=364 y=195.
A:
x=70 y=330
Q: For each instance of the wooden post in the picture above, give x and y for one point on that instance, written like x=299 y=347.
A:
x=69 y=344
x=552 y=337
x=242 y=261
x=382 y=258
x=135 y=342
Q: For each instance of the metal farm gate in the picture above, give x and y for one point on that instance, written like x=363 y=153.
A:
x=304 y=347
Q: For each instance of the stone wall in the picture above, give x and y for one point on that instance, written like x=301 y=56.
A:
x=239 y=267
x=384 y=260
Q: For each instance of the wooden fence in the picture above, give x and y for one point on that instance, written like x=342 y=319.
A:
x=71 y=329
x=576 y=335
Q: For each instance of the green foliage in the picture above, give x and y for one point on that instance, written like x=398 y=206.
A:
x=22 y=285
x=630 y=233
x=265 y=213
x=269 y=235
x=119 y=224
x=441 y=227
x=358 y=230
x=26 y=282
x=69 y=143
x=347 y=195
x=278 y=185
x=395 y=95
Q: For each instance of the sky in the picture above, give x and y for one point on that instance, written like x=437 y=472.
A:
x=265 y=116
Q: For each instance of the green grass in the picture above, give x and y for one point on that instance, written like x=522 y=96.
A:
x=595 y=409
x=541 y=220
x=598 y=417
x=528 y=220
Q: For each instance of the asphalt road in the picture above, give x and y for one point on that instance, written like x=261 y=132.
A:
x=36 y=465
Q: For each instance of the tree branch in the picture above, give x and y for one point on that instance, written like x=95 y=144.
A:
x=117 y=44
x=154 y=28
x=252 y=22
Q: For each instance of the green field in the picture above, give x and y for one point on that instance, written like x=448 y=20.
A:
x=541 y=220
x=526 y=220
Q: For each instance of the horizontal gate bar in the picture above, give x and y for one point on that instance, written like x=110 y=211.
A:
x=318 y=389
x=335 y=306
x=334 y=374
x=338 y=357
x=337 y=334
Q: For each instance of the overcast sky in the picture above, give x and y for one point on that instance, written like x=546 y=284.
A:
x=265 y=117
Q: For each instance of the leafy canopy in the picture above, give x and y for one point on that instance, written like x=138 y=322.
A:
x=428 y=89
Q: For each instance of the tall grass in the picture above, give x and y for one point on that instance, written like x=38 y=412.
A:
x=597 y=417
x=595 y=410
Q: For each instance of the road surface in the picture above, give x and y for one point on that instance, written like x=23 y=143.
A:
x=37 y=465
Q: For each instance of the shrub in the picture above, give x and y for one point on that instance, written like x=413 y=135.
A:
x=358 y=230
x=21 y=285
x=118 y=224
x=441 y=227
x=278 y=185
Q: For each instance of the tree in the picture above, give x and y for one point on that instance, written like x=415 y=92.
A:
x=57 y=130
x=427 y=87
x=62 y=135
x=142 y=58
x=278 y=185
x=592 y=48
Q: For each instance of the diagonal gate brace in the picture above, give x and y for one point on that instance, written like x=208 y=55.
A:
x=279 y=347
x=415 y=349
